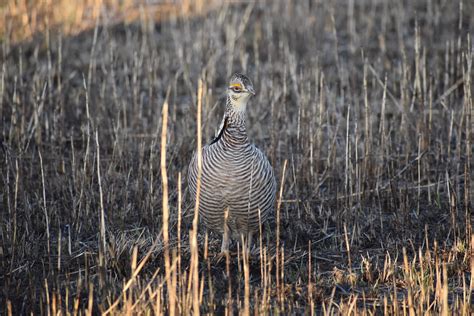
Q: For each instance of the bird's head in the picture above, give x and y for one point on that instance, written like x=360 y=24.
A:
x=239 y=91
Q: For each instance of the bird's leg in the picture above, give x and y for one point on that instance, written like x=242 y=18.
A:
x=224 y=247
x=225 y=235
x=225 y=240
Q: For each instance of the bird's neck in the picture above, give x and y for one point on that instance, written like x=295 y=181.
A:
x=235 y=130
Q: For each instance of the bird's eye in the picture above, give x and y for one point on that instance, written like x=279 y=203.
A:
x=236 y=89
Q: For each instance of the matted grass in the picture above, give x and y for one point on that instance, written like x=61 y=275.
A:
x=363 y=107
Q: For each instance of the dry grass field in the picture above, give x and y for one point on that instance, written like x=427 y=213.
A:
x=364 y=108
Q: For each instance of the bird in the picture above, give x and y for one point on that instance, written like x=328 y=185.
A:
x=238 y=185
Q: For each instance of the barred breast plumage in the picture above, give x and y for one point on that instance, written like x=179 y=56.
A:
x=236 y=175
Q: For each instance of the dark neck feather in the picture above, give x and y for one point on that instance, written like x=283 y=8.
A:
x=233 y=130
x=221 y=132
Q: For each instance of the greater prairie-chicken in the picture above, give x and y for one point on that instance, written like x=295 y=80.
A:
x=237 y=180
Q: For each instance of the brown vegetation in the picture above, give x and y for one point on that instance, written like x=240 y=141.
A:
x=364 y=108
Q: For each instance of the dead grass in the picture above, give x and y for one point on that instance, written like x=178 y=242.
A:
x=25 y=19
x=364 y=108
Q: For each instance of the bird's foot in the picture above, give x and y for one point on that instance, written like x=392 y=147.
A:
x=223 y=255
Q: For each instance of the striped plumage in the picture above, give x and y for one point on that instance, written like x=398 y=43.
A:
x=236 y=175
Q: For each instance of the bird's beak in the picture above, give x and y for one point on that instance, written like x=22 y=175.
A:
x=251 y=91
